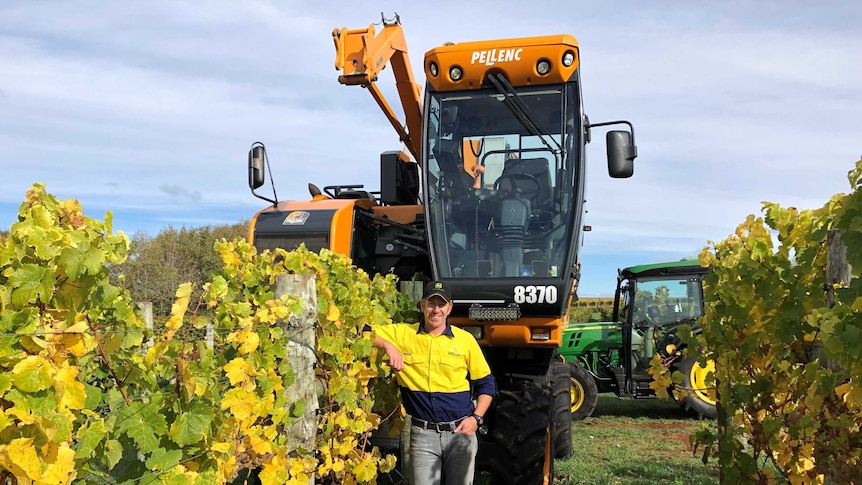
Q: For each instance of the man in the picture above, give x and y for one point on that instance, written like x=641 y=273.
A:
x=435 y=364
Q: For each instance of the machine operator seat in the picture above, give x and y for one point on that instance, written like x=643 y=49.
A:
x=525 y=190
x=532 y=177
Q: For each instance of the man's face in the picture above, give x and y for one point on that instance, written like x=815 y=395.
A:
x=435 y=310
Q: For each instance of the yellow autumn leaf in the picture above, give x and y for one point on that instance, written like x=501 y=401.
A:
x=32 y=374
x=71 y=394
x=23 y=414
x=260 y=445
x=78 y=344
x=264 y=405
x=301 y=467
x=264 y=316
x=333 y=313
x=248 y=341
x=342 y=420
x=61 y=471
x=365 y=471
x=325 y=466
x=227 y=468
x=280 y=309
x=179 y=308
x=22 y=457
x=189 y=383
x=273 y=470
x=346 y=446
x=238 y=371
x=850 y=393
x=239 y=402
x=221 y=447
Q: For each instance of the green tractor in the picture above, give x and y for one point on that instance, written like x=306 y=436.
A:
x=651 y=302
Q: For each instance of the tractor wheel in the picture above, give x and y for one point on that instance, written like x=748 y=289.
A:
x=562 y=410
x=700 y=399
x=583 y=392
x=520 y=444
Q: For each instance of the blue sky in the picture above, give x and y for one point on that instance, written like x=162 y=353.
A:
x=147 y=109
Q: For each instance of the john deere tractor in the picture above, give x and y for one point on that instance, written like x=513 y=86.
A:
x=651 y=302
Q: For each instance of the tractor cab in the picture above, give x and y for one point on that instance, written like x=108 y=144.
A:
x=652 y=302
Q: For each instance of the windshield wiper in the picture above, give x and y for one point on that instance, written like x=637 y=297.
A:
x=521 y=111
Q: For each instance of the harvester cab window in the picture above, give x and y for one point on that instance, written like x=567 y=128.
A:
x=495 y=196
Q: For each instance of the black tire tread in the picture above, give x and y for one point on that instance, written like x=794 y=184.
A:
x=560 y=381
x=695 y=406
x=519 y=435
x=591 y=392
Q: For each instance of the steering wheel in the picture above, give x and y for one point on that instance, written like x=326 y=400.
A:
x=529 y=190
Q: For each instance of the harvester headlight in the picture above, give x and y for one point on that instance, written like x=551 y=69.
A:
x=479 y=313
x=543 y=66
x=475 y=330
x=456 y=73
x=540 y=334
x=568 y=58
x=433 y=69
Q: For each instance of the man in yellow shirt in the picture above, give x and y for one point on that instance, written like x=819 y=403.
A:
x=436 y=364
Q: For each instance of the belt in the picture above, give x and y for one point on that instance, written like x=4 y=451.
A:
x=438 y=427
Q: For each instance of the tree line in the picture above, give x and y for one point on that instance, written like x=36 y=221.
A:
x=157 y=265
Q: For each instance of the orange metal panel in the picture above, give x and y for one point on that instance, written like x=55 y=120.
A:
x=516 y=334
x=517 y=58
x=341 y=227
x=405 y=214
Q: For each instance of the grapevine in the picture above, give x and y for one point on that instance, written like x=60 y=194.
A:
x=90 y=395
x=787 y=365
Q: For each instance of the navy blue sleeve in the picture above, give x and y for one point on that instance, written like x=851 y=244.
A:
x=486 y=385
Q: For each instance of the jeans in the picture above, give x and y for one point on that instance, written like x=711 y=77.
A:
x=442 y=457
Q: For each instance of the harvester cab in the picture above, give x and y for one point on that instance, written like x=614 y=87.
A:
x=498 y=142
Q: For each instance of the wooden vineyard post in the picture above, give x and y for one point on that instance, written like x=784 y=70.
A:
x=412 y=289
x=838 y=272
x=302 y=357
x=146 y=308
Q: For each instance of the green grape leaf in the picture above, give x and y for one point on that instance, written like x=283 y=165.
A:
x=161 y=459
x=72 y=262
x=143 y=423
x=90 y=435
x=30 y=283
x=32 y=374
x=113 y=452
x=192 y=425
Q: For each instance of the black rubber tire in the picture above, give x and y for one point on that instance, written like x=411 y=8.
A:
x=583 y=392
x=701 y=402
x=560 y=384
x=520 y=436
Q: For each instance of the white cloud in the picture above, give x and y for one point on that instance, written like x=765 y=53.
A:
x=149 y=109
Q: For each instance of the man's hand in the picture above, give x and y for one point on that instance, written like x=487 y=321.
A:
x=468 y=426
x=396 y=360
x=477 y=171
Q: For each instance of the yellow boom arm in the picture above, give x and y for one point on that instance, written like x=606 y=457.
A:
x=361 y=55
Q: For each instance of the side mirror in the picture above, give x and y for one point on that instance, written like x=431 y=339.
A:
x=621 y=154
x=256 y=175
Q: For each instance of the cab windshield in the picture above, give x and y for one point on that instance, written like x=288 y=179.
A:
x=500 y=179
x=666 y=301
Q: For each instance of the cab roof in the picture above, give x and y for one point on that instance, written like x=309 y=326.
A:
x=683 y=266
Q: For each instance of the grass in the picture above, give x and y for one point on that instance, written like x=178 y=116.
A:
x=634 y=442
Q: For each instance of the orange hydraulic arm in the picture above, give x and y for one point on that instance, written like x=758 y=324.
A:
x=361 y=56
